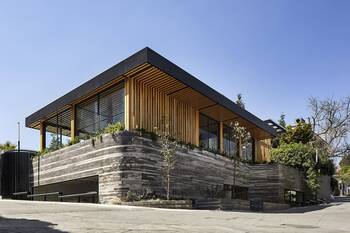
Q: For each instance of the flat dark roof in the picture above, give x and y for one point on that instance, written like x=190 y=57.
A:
x=143 y=56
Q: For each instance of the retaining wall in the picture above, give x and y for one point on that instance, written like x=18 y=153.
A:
x=127 y=162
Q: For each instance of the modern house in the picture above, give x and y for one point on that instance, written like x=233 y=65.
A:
x=142 y=92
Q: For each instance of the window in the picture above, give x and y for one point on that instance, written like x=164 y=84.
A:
x=230 y=146
x=100 y=110
x=58 y=129
x=290 y=196
x=248 y=150
x=208 y=133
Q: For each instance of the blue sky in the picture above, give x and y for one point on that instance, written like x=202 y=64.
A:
x=276 y=53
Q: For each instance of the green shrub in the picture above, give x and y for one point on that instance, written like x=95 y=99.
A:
x=73 y=141
x=300 y=156
x=114 y=128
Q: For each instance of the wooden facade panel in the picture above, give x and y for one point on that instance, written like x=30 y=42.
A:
x=152 y=108
x=263 y=150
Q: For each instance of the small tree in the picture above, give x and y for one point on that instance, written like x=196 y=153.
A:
x=168 y=153
x=55 y=143
x=300 y=133
x=238 y=133
x=7 y=146
x=282 y=120
x=240 y=101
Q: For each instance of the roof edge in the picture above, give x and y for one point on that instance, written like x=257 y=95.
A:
x=186 y=78
x=101 y=79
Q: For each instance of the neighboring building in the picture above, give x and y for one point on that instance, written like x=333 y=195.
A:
x=142 y=92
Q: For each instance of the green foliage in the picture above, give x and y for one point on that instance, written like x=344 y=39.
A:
x=74 y=141
x=344 y=173
x=114 y=128
x=326 y=166
x=55 y=143
x=168 y=152
x=7 y=146
x=300 y=133
x=240 y=101
x=300 y=156
x=239 y=132
x=345 y=160
x=282 y=120
x=144 y=194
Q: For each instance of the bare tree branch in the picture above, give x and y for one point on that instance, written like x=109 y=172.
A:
x=330 y=120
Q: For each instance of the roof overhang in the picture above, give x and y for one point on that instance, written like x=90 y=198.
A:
x=134 y=64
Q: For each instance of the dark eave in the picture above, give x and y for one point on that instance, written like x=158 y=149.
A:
x=146 y=55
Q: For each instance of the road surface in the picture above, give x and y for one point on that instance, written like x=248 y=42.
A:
x=37 y=217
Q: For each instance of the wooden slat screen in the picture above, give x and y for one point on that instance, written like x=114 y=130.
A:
x=153 y=108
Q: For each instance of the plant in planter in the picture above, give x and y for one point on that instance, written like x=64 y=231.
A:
x=73 y=141
x=168 y=153
x=114 y=128
x=241 y=133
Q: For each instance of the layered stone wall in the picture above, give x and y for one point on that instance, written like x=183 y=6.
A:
x=127 y=162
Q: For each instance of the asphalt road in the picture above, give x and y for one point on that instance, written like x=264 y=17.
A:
x=37 y=217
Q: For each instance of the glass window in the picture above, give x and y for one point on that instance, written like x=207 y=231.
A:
x=208 y=133
x=230 y=146
x=248 y=150
x=58 y=129
x=97 y=112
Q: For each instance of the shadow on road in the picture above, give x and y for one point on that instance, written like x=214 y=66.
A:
x=10 y=225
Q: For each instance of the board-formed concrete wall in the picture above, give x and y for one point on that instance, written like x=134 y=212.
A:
x=127 y=162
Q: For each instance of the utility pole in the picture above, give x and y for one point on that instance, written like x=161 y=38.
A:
x=18 y=154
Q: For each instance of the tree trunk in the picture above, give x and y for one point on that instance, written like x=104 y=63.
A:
x=234 y=179
x=168 y=189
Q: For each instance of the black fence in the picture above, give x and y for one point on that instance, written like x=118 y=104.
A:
x=15 y=170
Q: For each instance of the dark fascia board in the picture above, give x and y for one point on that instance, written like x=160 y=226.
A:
x=147 y=55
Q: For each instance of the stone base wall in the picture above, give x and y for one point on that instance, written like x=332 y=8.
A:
x=127 y=162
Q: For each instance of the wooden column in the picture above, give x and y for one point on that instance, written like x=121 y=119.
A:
x=131 y=104
x=127 y=104
x=73 y=127
x=197 y=128
x=221 y=137
x=42 y=136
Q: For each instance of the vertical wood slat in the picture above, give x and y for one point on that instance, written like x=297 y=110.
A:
x=73 y=123
x=263 y=150
x=126 y=104
x=221 y=139
x=153 y=108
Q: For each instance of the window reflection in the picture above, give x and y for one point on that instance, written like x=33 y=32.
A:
x=208 y=133
x=247 y=149
x=230 y=145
